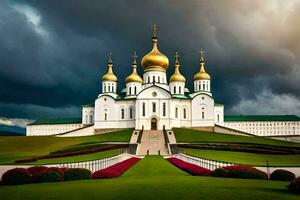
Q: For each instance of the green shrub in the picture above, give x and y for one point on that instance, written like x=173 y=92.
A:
x=16 y=176
x=220 y=172
x=294 y=186
x=77 y=174
x=50 y=176
x=282 y=175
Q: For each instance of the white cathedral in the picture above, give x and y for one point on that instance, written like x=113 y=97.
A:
x=154 y=102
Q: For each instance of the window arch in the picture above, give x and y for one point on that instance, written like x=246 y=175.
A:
x=153 y=107
x=122 y=113
x=105 y=116
x=203 y=114
x=174 y=90
x=184 y=113
x=164 y=109
x=144 y=109
x=159 y=79
x=148 y=79
x=135 y=90
x=131 y=112
x=129 y=90
x=176 y=112
x=179 y=90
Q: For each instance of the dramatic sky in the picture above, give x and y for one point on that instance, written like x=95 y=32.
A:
x=53 y=53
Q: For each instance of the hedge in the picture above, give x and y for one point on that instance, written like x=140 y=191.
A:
x=294 y=186
x=282 y=175
x=50 y=176
x=77 y=174
x=36 y=171
x=240 y=171
x=16 y=176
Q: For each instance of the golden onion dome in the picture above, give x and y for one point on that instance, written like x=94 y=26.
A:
x=109 y=76
x=202 y=74
x=155 y=60
x=177 y=76
x=134 y=76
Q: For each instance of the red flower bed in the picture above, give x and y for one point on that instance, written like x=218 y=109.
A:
x=192 y=169
x=115 y=170
x=241 y=171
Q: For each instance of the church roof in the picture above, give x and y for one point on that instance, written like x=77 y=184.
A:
x=229 y=118
x=57 y=121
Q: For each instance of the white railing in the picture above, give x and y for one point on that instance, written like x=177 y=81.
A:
x=202 y=162
x=95 y=165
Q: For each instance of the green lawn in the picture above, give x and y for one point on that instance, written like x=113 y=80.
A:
x=153 y=178
x=80 y=158
x=13 y=148
x=184 y=135
x=246 y=158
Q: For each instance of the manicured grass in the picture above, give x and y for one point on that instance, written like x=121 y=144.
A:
x=184 y=135
x=246 y=158
x=153 y=178
x=13 y=148
x=79 y=158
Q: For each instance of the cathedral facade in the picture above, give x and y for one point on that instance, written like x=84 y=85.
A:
x=153 y=101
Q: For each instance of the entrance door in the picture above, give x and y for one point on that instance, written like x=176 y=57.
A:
x=153 y=124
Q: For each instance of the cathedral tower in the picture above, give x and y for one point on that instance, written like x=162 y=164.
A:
x=133 y=81
x=109 y=80
x=177 y=80
x=202 y=78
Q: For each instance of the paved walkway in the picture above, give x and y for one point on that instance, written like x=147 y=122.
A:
x=154 y=142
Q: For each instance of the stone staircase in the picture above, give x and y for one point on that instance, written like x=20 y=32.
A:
x=153 y=143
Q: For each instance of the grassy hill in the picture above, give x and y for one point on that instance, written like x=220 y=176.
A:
x=184 y=135
x=13 y=148
x=153 y=178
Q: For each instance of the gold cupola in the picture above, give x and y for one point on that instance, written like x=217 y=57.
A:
x=155 y=60
x=134 y=76
x=177 y=76
x=202 y=74
x=109 y=76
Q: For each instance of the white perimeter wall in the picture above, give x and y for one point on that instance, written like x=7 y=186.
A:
x=266 y=128
x=51 y=129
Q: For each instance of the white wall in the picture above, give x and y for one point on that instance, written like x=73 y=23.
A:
x=202 y=85
x=219 y=115
x=51 y=129
x=87 y=115
x=177 y=88
x=203 y=103
x=130 y=88
x=266 y=128
x=109 y=86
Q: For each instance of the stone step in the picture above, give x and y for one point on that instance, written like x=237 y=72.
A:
x=153 y=142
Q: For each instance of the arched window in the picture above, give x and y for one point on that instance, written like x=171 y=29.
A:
x=184 y=113
x=131 y=112
x=164 y=109
x=105 y=116
x=135 y=90
x=148 y=79
x=202 y=114
x=129 y=90
x=174 y=90
x=153 y=79
x=122 y=113
x=159 y=79
x=176 y=112
x=144 y=109
x=179 y=90
x=108 y=88
x=112 y=88
x=154 y=107
x=86 y=119
x=218 y=118
x=204 y=87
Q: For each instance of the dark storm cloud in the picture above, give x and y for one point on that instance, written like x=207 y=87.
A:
x=53 y=53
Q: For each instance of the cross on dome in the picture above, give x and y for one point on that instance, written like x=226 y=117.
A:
x=154 y=29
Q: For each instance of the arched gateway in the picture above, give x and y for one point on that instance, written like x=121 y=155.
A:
x=153 y=124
